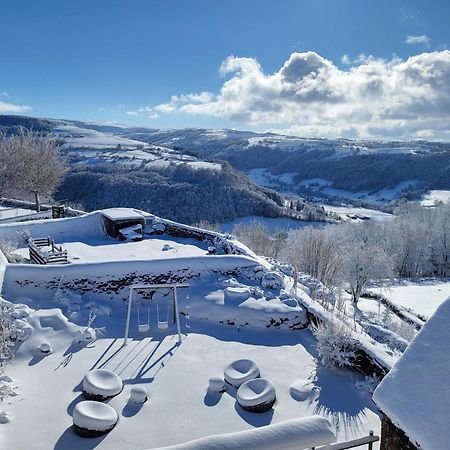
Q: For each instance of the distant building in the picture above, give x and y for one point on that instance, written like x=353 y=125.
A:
x=415 y=395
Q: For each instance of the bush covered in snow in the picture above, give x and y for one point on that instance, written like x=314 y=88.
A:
x=335 y=344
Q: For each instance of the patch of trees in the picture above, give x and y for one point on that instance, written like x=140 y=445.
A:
x=31 y=164
x=177 y=192
x=12 y=125
x=415 y=244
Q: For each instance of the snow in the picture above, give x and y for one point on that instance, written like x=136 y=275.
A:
x=8 y=213
x=138 y=394
x=353 y=213
x=216 y=384
x=177 y=379
x=255 y=392
x=415 y=394
x=434 y=196
x=421 y=296
x=122 y=214
x=301 y=390
x=264 y=326
x=240 y=371
x=102 y=382
x=294 y=434
x=77 y=137
x=95 y=416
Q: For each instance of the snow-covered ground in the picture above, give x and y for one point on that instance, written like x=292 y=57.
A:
x=176 y=377
x=435 y=196
x=355 y=214
x=7 y=212
x=421 y=296
x=108 y=250
x=227 y=313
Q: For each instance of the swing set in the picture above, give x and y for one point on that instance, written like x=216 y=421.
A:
x=162 y=317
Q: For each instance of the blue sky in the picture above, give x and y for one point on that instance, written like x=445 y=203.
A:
x=122 y=61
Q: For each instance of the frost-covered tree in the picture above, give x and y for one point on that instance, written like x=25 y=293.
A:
x=43 y=165
x=11 y=163
x=364 y=257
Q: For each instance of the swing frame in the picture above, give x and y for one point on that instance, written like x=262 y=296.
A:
x=154 y=287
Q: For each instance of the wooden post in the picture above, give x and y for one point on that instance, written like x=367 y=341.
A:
x=370 y=443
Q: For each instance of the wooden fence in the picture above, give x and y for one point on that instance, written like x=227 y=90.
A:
x=55 y=255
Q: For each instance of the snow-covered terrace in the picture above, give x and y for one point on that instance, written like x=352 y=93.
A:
x=217 y=331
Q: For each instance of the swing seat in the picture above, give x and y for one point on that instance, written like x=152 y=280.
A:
x=144 y=328
x=163 y=325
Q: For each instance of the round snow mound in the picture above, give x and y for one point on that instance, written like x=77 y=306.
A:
x=236 y=295
x=216 y=384
x=272 y=280
x=101 y=384
x=240 y=371
x=301 y=390
x=138 y=394
x=45 y=348
x=256 y=395
x=92 y=419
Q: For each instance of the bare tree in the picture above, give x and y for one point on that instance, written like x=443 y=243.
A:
x=364 y=257
x=315 y=252
x=43 y=165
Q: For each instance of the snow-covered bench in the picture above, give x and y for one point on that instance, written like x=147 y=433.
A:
x=240 y=371
x=296 y=434
x=257 y=395
x=92 y=419
x=101 y=384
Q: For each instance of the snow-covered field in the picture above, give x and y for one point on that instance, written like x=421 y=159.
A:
x=420 y=296
x=8 y=212
x=435 y=196
x=355 y=214
x=227 y=313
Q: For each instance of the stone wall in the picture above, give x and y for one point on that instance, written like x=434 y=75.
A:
x=392 y=438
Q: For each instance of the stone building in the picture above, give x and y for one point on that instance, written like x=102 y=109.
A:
x=415 y=395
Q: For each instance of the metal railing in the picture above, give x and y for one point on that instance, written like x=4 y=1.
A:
x=369 y=440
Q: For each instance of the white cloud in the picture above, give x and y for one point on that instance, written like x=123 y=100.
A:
x=8 y=108
x=417 y=40
x=309 y=95
x=151 y=114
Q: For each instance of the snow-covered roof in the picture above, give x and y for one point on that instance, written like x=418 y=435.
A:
x=415 y=395
x=122 y=213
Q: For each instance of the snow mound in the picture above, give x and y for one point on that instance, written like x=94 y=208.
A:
x=138 y=394
x=301 y=390
x=234 y=296
x=256 y=395
x=46 y=348
x=216 y=384
x=296 y=434
x=95 y=417
x=272 y=280
x=5 y=417
x=101 y=384
x=240 y=371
